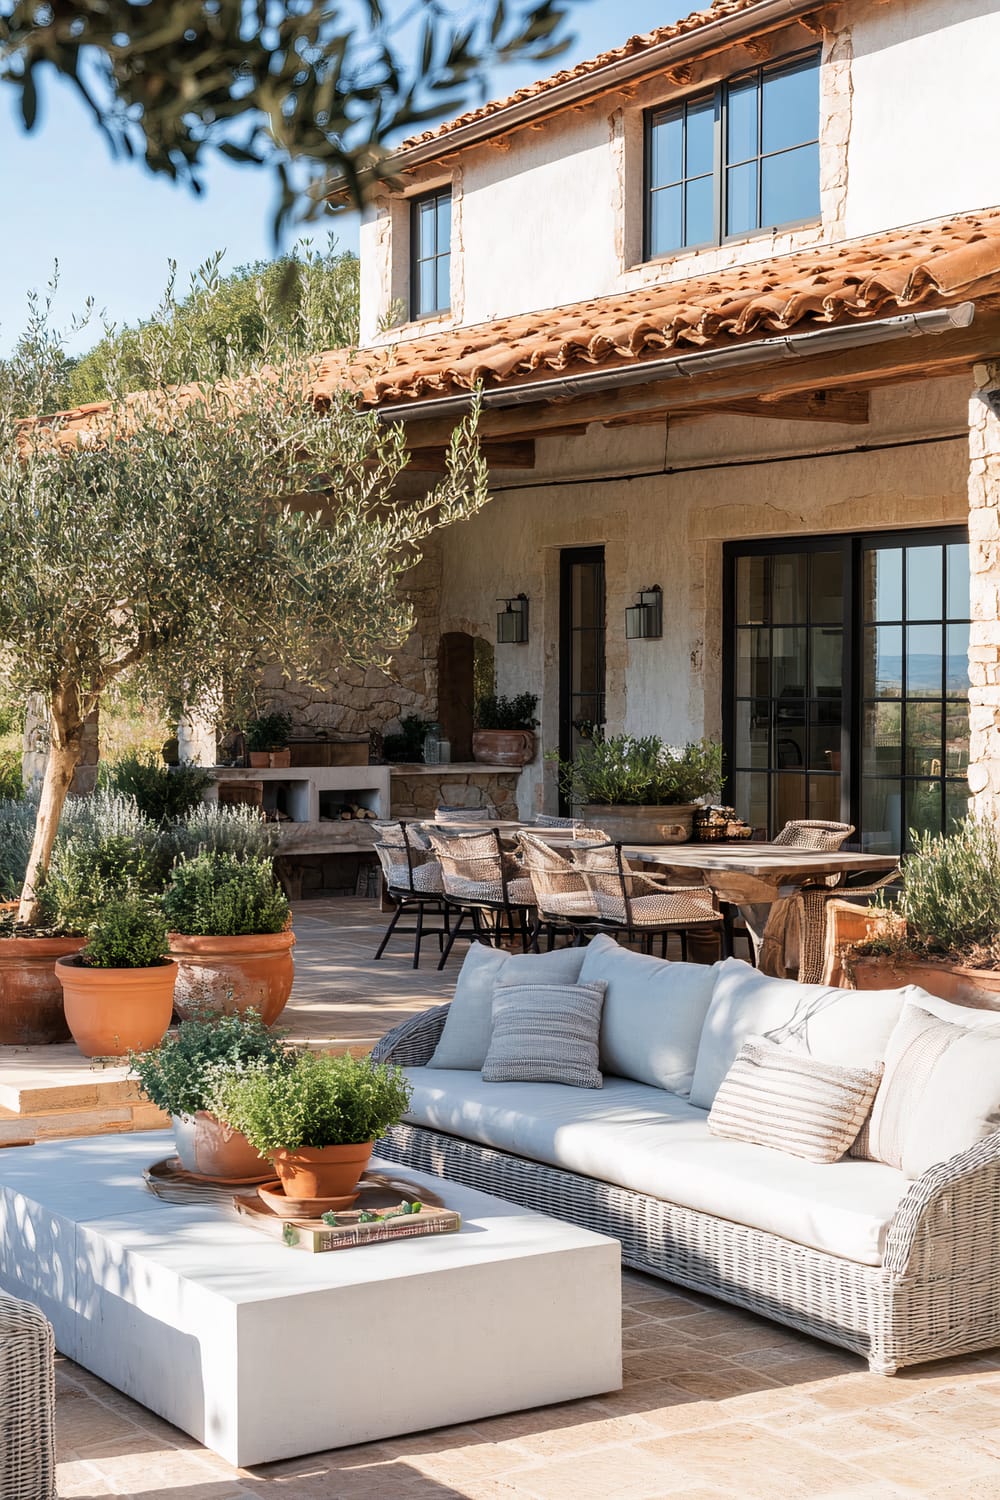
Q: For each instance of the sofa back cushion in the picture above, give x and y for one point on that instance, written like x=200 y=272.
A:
x=465 y=1040
x=778 y=1097
x=940 y=1093
x=546 y=1033
x=847 y=1027
x=654 y=1012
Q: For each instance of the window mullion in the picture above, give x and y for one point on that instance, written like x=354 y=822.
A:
x=719 y=161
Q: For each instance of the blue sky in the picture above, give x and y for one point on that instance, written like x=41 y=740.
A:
x=113 y=228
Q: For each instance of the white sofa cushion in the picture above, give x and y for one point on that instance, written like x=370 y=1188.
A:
x=654 y=1011
x=847 y=1027
x=778 y=1097
x=465 y=1040
x=652 y=1142
x=940 y=1093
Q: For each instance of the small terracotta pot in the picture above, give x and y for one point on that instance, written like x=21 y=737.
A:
x=503 y=747
x=112 y=1012
x=210 y=1148
x=259 y=759
x=322 y=1171
x=278 y=759
x=233 y=974
x=31 y=998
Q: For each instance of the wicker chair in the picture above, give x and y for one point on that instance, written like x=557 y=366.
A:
x=413 y=881
x=565 y=906
x=640 y=906
x=805 y=833
x=447 y=813
x=27 y=1402
x=549 y=820
x=481 y=879
x=810 y=905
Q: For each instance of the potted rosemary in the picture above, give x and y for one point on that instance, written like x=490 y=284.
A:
x=639 y=789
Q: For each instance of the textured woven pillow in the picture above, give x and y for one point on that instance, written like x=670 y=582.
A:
x=939 y=1095
x=779 y=1097
x=546 y=1033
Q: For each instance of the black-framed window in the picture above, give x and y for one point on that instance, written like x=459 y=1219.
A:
x=430 y=253
x=846 y=682
x=741 y=158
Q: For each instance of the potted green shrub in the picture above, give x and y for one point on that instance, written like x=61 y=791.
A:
x=177 y=1077
x=267 y=740
x=317 y=1117
x=230 y=934
x=505 y=729
x=639 y=789
x=118 y=992
x=943 y=933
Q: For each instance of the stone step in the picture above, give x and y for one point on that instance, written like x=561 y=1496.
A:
x=62 y=1124
x=37 y=1079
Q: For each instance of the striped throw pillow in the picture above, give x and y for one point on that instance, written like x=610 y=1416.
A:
x=778 y=1097
x=546 y=1033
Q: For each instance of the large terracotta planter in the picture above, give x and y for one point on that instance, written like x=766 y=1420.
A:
x=233 y=974
x=503 y=747
x=642 y=825
x=112 y=1012
x=209 y=1148
x=31 y=997
x=322 y=1171
x=978 y=988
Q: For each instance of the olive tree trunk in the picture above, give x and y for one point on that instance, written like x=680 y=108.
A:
x=65 y=748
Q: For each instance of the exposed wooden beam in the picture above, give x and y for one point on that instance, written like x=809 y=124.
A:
x=807 y=406
x=509 y=454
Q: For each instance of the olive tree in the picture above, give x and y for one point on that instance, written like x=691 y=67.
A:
x=185 y=536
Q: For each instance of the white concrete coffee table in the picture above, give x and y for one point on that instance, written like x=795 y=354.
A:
x=263 y=1352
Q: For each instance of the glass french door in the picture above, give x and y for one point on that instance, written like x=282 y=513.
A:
x=581 y=647
x=846 y=691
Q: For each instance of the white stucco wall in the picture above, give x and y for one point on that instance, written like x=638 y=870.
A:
x=669 y=528
x=924 y=111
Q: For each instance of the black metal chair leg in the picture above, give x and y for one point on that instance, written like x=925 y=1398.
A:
x=418 y=935
x=389 y=930
x=452 y=935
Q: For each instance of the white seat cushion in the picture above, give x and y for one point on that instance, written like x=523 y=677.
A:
x=846 y=1027
x=652 y=1142
x=654 y=1011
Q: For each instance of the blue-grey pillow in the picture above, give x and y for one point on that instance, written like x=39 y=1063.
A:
x=546 y=1033
x=465 y=1040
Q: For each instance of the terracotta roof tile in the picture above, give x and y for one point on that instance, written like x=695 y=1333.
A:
x=926 y=265
x=630 y=48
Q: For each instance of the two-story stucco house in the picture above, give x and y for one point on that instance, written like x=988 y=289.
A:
x=732 y=293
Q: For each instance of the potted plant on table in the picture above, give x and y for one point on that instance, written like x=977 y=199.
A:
x=230 y=933
x=639 y=789
x=943 y=933
x=118 y=992
x=177 y=1077
x=317 y=1117
x=267 y=740
x=505 y=729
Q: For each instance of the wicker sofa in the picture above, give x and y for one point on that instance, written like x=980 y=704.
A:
x=900 y=1271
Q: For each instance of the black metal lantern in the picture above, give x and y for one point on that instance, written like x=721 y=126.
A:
x=644 y=621
x=512 y=621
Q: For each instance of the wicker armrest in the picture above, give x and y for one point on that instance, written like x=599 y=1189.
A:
x=947 y=1217
x=411 y=1044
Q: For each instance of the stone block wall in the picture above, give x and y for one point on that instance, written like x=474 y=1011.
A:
x=417 y=794
x=984 y=571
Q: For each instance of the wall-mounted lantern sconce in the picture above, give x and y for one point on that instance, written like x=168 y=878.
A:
x=512 y=621
x=644 y=621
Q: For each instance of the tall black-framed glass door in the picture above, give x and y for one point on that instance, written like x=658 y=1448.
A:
x=582 y=626
x=846 y=682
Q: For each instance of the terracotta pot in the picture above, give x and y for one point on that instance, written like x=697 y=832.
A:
x=259 y=759
x=503 y=747
x=279 y=758
x=977 y=988
x=322 y=1171
x=209 y=1148
x=31 y=997
x=233 y=974
x=112 y=1012
x=642 y=825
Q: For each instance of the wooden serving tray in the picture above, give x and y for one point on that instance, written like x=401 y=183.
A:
x=349 y=1231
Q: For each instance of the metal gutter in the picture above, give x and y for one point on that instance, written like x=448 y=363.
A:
x=691 y=366
x=682 y=48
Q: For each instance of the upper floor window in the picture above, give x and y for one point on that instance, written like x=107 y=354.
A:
x=430 y=254
x=743 y=157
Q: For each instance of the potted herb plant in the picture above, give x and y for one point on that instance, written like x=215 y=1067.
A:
x=943 y=933
x=118 y=992
x=267 y=740
x=639 y=789
x=505 y=729
x=317 y=1117
x=177 y=1077
x=230 y=934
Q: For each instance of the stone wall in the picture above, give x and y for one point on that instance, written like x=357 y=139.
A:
x=984 y=570
x=417 y=794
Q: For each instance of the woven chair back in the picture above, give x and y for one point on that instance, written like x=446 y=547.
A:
x=472 y=865
x=549 y=820
x=624 y=896
x=447 y=813
x=407 y=868
x=813 y=834
x=560 y=889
